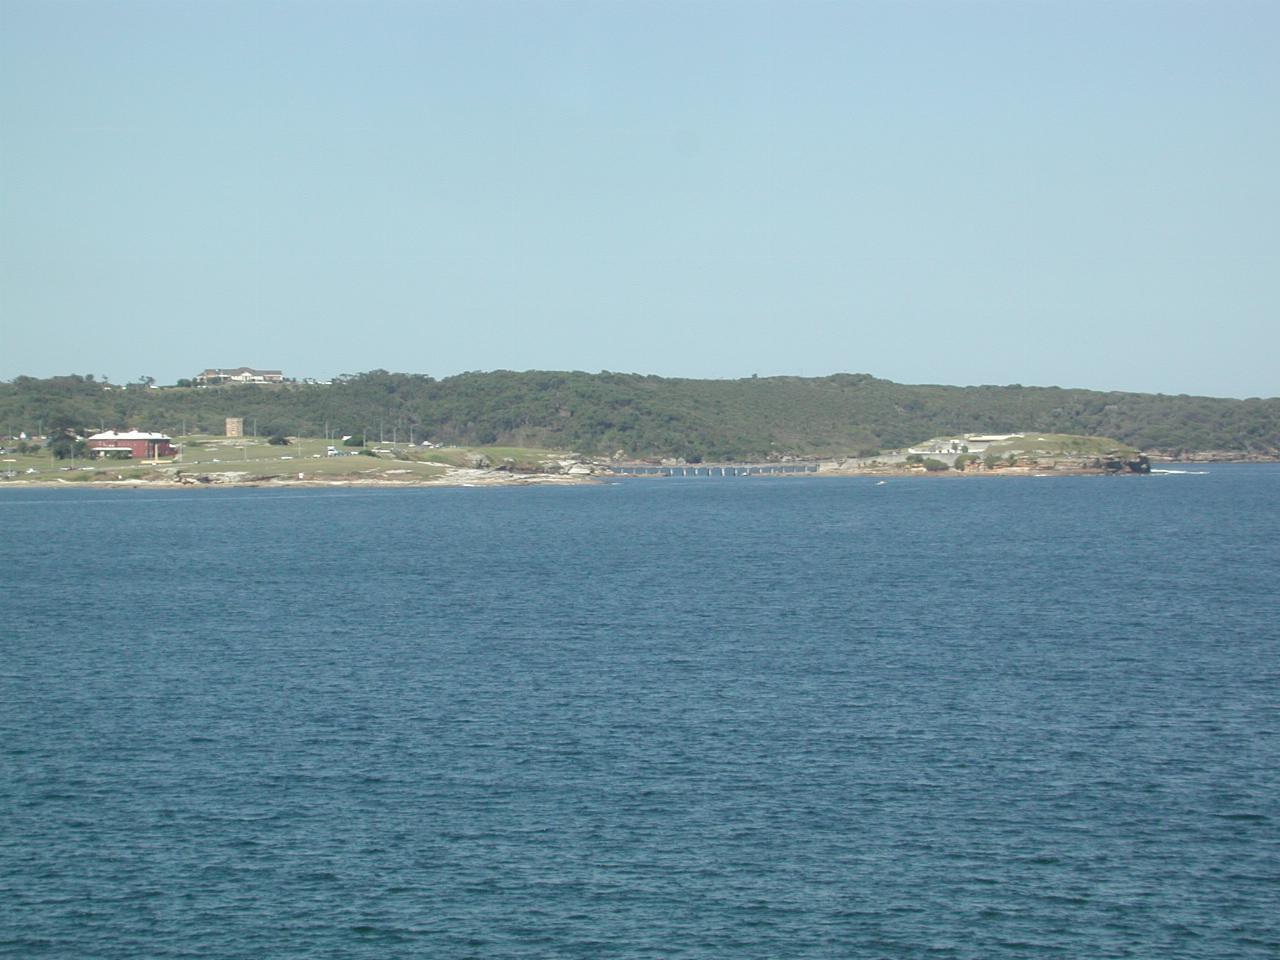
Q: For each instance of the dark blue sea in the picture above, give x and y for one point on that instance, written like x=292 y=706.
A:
x=740 y=718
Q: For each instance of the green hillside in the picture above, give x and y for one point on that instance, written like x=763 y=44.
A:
x=649 y=416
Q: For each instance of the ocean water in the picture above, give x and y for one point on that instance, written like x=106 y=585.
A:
x=741 y=718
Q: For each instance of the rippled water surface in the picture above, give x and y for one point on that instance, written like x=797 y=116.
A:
x=708 y=718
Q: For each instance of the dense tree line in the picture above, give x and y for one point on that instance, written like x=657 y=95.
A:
x=644 y=415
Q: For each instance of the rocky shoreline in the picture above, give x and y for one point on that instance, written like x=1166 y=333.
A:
x=581 y=473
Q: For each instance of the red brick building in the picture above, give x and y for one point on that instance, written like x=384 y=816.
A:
x=132 y=443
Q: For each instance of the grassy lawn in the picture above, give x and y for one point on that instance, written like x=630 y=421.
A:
x=523 y=457
x=41 y=466
x=1049 y=444
x=307 y=456
x=254 y=456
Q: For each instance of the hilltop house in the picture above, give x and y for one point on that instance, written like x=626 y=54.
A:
x=212 y=377
x=131 y=443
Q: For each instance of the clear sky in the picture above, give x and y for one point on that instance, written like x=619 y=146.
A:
x=1052 y=193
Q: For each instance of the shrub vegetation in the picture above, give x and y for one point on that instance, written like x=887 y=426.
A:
x=648 y=416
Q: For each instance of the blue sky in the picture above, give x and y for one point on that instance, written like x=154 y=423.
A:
x=1073 y=194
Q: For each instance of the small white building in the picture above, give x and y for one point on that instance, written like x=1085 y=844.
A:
x=941 y=445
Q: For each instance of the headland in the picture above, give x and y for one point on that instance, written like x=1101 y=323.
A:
x=203 y=461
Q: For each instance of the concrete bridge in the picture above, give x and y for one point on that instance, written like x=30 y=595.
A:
x=712 y=469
